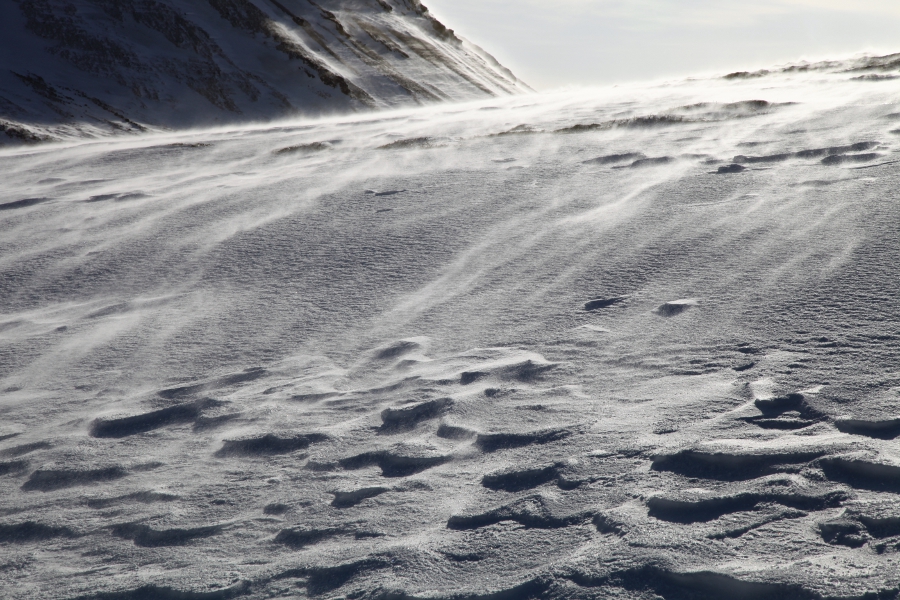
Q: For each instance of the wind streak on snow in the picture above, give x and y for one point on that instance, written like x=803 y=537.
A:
x=211 y=187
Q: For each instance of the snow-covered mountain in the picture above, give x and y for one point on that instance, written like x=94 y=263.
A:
x=75 y=67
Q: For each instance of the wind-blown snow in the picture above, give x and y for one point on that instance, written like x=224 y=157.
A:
x=628 y=342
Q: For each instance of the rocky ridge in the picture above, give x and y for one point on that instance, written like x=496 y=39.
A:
x=93 y=67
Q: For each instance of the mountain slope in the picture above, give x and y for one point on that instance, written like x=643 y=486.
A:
x=94 y=66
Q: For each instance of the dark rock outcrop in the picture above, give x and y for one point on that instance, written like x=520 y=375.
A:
x=93 y=67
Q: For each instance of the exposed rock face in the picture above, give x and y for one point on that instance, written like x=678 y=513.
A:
x=95 y=66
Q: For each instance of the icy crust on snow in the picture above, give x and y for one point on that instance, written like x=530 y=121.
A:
x=94 y=67
x=401 y=355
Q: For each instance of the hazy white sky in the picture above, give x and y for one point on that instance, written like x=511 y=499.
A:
x=551 y=43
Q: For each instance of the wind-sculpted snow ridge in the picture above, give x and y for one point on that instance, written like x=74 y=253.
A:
x=95 y=67
x=642 y=345
x=861 y=68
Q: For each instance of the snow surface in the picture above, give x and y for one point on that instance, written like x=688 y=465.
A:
x=633 y=342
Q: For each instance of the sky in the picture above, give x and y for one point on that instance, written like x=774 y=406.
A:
x=555 y=43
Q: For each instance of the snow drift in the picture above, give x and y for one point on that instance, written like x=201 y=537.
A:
x=538 y=346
